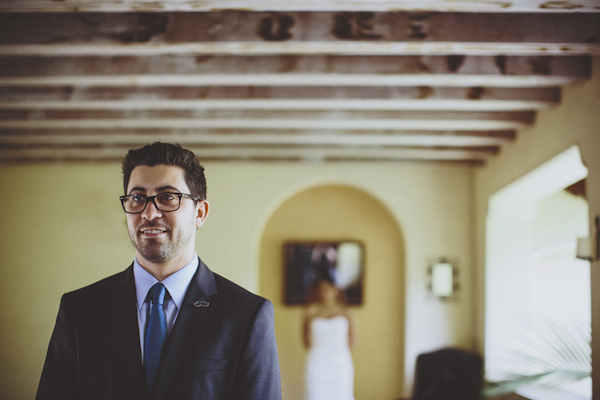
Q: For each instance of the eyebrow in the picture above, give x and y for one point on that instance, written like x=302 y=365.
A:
x=159 y=189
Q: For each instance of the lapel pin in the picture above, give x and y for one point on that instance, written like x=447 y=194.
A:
x=201 y=303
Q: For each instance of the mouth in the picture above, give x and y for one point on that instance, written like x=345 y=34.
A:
x=152 y=231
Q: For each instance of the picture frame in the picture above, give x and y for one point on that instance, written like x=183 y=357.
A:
x=306 y=263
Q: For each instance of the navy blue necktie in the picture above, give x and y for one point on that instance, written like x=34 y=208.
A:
x=156 y=332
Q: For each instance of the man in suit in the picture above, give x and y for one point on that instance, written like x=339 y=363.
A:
x=166 y=327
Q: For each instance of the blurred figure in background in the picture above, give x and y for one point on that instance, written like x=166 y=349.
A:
x=329 y=334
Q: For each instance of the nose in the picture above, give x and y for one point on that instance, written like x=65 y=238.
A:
x=151 y=212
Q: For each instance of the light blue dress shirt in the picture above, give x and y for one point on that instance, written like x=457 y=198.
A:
x=176 y=285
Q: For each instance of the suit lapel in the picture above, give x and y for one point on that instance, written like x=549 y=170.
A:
x=124 y=327
x=196 y=309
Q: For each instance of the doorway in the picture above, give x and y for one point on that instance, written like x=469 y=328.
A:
x=538 y=299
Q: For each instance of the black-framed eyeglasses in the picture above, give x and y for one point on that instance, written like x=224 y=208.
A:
x=165 y=202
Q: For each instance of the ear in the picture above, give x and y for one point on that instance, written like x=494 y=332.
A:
x=202 y=210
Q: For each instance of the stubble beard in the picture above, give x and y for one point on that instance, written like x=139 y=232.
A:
x=155 y=250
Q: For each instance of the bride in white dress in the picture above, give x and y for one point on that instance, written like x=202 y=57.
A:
x=329 y=336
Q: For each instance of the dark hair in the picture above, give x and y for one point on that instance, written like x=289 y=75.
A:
x=167 y=154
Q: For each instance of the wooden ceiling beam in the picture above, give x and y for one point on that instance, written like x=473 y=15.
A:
x=297 y=27
x=426 y=71
x=289 y=137
x=232 y=153
x=268 y=124
x=512 y=6
x=277 y=97
x=290 y=79
x=286 y=65
x=295 y=33
x=216 y=115
x=285 y=104
x=361 y=48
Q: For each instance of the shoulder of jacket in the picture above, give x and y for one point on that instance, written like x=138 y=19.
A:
x=100 y=286
x=228 y=288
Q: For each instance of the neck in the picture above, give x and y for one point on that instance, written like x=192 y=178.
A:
x=163 y=270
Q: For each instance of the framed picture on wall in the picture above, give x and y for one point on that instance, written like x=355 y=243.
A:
x=308 y=263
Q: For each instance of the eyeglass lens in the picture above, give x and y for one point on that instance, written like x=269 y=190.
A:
x=164 y=202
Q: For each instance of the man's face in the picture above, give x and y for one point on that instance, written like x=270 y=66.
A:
x=161 y=237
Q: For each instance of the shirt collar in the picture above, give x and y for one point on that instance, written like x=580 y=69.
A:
x=176 y=284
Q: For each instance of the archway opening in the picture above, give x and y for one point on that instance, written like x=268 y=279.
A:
x=332 y=213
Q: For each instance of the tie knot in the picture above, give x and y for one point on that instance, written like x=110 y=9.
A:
x=157 y=293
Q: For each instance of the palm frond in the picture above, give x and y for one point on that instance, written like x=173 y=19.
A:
x=561 y=355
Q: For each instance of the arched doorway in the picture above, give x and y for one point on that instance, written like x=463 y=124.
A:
x=336 y=212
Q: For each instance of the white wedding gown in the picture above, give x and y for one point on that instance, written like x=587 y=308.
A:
x=329 y=368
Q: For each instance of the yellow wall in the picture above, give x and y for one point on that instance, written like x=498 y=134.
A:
x=342 y=213
x=63 y=228
x=430 y=203
x=575 y=122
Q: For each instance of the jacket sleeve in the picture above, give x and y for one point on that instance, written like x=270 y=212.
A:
x=58 y=380
x=257 y=376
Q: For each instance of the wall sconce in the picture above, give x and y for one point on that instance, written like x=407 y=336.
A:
x=589 y=248
x=443 y=280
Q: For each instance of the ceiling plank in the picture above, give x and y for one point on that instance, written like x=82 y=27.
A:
x=286 y=104
x=291 y=79
x=424 y=139
x=501 y=136
x=297 y=153
x=272 y=123
x=301 y=5
x=263 y=33
x=304 y=48
x=249 y=97
x=190 y=66
x=213 y=115
x=499 y=71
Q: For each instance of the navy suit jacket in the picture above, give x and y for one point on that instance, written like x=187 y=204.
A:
x=221 y=347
